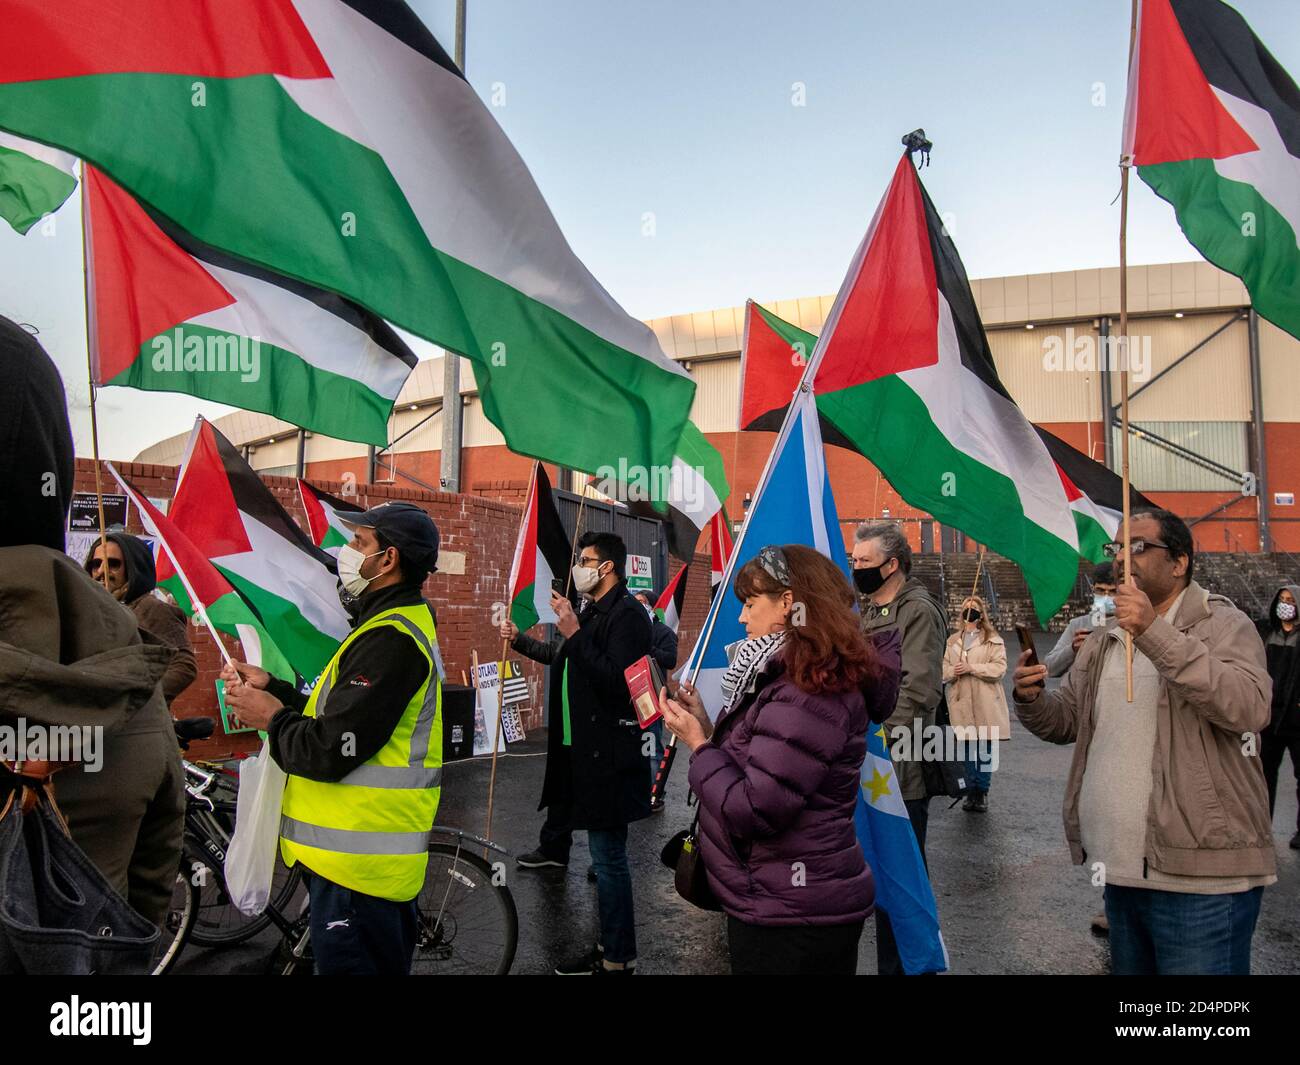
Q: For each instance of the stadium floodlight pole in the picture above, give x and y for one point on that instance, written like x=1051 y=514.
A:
x=1125 y=165
x=452 y=413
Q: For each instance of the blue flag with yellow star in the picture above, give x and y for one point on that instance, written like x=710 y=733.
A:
x=889 y=845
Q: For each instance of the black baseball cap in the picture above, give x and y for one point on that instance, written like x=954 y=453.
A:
x=404 y=525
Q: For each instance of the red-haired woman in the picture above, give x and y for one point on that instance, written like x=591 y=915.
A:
x=778 y=775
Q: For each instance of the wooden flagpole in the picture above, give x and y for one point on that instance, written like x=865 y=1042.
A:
x=496 y=735
x=90 y=369
x=1124 y=167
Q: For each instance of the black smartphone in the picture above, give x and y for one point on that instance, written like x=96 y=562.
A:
x=1027 y=644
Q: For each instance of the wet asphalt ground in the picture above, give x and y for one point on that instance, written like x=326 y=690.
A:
x=1009 y=900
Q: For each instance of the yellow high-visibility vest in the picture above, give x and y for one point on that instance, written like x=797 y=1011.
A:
x=370 y=831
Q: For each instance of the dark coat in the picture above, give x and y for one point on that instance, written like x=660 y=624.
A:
x=603 y=773
x=663 y=643
x=1284 y=668
x=778 y=787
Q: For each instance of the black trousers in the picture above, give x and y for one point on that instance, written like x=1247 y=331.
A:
x=1271 y=751
x=556 y=836
x=888 y=962
x=796 y=950
x=354 y=934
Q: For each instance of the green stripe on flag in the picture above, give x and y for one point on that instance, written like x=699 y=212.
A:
x=30 y=188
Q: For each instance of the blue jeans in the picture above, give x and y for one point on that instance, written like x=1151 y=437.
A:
x=979 y=769
x=1168 y=933
x=354 y=934
x=613 y=892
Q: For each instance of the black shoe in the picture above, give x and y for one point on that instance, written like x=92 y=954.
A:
x=538 y=860
x=592 y=964
x=591 y=874
x=982 y=802
x=1295 y=842
x=970 y=803
x=657 y=806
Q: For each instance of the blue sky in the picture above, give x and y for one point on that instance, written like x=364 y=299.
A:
x=686 y=112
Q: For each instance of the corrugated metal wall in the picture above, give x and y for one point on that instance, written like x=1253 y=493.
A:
x=1154 y=469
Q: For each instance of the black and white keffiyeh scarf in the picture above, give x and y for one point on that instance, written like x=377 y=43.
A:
x=747 y=662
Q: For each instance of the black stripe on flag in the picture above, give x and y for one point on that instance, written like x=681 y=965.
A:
x=552 y=540
x=255 y=499
x=1235 y=61
x=396 y=18
x=1103 y=486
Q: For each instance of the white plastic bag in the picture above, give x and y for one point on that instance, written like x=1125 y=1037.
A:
x=250 y=862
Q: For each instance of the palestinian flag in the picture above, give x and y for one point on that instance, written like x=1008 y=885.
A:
x=671 y=604
x=197 y=585
x=903 y=372
x=1212 y=123
x=174 y=315
x=719 y=549
x=1095 y=494
x=237 y=523
x=335 y=142
x=323 y=517
x=35 y=180
x=542 y=554
x=685 y=495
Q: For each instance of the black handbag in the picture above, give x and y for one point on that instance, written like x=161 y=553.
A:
x=58 y=913
x=946 y=777
x=682 y=855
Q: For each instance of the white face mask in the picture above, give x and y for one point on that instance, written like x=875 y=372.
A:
x=1286 y=611
x=350 y=562
x=1104 y=604
x=585 y=578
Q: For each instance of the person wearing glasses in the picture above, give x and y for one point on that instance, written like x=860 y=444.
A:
x=595 y=768
x=777 y=776
x=1165 y=799
x=974 y=663
x=1102 y=615
x=131 y=581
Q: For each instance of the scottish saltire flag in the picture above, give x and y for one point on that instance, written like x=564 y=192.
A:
x=889 y=846
x=795 y=506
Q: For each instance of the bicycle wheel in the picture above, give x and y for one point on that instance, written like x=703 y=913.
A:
x=467 y=923
x=218 y=923
x=177 y=922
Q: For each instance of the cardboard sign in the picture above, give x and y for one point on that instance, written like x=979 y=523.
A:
x=83 y=515
x=487 y=697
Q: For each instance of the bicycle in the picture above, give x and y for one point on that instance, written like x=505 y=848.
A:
x=467 y=920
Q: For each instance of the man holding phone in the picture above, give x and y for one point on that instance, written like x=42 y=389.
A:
x=1166 y=798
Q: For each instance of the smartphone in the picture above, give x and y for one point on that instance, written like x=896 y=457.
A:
x=1027 y=644
x=557 y=586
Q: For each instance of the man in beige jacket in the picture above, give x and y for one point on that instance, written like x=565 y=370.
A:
x=1166 y=798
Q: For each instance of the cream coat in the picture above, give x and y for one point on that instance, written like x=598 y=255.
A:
x=977 y=698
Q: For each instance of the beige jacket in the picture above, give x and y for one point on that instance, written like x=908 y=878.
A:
x=1208 y=811
x=976 y=698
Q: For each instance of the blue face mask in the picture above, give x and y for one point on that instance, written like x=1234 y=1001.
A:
x=1104 y=603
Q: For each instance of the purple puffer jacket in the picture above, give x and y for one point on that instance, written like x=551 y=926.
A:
x=778 y=785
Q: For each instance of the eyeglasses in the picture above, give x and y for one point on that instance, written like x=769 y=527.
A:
x=774 y=564
x=1114 y=549
x=589 y=560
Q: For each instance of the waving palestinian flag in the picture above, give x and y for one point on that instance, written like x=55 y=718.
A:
x=34 y=180
x=673 y=601
x=719 y=549
x=197 y=585
x=1212 y=123
x=324 y=517
x=542 y=554
x=171 y=314
x=236 y=522
x=335 y=142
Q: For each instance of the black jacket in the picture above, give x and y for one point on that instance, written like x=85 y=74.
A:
x=378 y=675
x=1284 y=668
x=603 y=773
x=663 y=642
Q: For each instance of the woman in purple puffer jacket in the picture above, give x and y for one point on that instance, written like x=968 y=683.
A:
x=777 y=776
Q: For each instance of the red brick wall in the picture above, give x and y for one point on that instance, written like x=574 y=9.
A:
x=484 y=529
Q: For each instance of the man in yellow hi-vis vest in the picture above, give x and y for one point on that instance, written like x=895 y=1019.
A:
x=363 y=750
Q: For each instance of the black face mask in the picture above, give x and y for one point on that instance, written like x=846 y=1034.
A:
x=870 y=579
x=971 y=615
